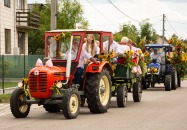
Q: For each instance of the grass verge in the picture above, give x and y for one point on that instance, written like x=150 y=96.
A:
x=5 y=98
x=9 y=84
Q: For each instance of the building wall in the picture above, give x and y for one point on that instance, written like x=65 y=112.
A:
x=159 y=40
x=8 y=21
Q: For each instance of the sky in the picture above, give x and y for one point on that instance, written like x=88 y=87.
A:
x=109 y=15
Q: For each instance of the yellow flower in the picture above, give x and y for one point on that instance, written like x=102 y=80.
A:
x=183 y=57
x=56 y=37
x=141 y=44
x=171 y=40
x=179 y=43
x=146 y=53
x=63 y=35
x=139 y=52
x=130 y=53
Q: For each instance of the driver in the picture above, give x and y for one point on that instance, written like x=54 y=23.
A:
x=155 y=56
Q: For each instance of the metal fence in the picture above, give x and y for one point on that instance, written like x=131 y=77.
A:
x=15 y=67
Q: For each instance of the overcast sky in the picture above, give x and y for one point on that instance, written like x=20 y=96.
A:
x=104 y=15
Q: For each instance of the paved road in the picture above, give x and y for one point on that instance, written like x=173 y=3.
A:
x=158 y=110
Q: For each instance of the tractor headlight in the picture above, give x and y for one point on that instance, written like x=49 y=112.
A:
x=59 y=84
x=20 y=84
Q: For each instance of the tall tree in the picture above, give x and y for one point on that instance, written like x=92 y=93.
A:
x=69 y=16
x=146 y=29
x=129 y=31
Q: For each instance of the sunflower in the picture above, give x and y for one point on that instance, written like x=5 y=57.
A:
x=146 y=53
x=56 y=37
x=179 y=43
x=63 y=35
x=171 y=40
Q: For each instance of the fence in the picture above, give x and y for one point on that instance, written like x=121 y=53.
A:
x=15 y=67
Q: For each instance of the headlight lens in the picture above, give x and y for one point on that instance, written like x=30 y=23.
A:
x=59 y=84
x=20 y=84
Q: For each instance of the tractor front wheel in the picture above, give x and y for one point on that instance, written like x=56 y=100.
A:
x=18 y=105
x=71 y=104
x=98 y=91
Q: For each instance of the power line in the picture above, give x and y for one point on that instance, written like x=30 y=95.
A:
x=122 y=11
x=101 y=13
x=178 y=22
x=171 y=26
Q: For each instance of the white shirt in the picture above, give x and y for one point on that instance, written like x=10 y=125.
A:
x=156 y=56
x=114 y=46
x=123 y=48
x=85 y=55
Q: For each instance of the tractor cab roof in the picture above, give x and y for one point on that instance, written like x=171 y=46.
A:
x=166 y=47
x=76 y=30
x=157 y=45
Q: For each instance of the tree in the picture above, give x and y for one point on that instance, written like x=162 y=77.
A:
x=147 y=30
x=129 y=31
x=69 y=15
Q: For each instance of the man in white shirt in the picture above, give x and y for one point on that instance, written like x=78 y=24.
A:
x=155 y=56
x=113 y=46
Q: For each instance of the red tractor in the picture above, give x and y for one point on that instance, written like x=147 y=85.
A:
x=52 y=85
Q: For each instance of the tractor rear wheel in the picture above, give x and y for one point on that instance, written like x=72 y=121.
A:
x=98 y=91
x=122 y=95
x=18 y=105
x=71 y=104
x=137 y=91
x=167 y=82
x=173 y=78
x=178 y=80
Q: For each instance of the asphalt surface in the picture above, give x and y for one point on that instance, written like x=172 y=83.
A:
x=158 y=110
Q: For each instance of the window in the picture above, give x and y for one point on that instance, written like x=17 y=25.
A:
x=21 y=42
x=21 y=4
x=7 y=41
x=7 y=3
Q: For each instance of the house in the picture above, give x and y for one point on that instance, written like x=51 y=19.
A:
x=160 y=40
x=15 y=22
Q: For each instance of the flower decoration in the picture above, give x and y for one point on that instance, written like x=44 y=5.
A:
x=108 y=57
x=57 y=37
x=146 y=53
x=152 y=70
x=63 y=35
x=171 y=40
x=179 y=43
x=142 y=42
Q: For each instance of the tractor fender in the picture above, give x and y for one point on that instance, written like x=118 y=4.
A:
x=97 y=68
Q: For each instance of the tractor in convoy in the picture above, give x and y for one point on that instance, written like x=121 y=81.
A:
x=51 y=84
x=160 y=70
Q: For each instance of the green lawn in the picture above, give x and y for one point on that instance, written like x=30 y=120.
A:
x=9 y=84
x=5 y=98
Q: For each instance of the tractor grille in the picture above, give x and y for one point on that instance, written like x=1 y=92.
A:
x=38 y=82
x=59 y=74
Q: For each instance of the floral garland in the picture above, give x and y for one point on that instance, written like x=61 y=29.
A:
x=179 y=57
x=152 y=70
x=108 y=57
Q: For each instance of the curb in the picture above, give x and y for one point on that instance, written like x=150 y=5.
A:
x=7 y=90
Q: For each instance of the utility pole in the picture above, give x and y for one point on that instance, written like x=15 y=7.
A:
x=54 y=14
x=163 y=28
